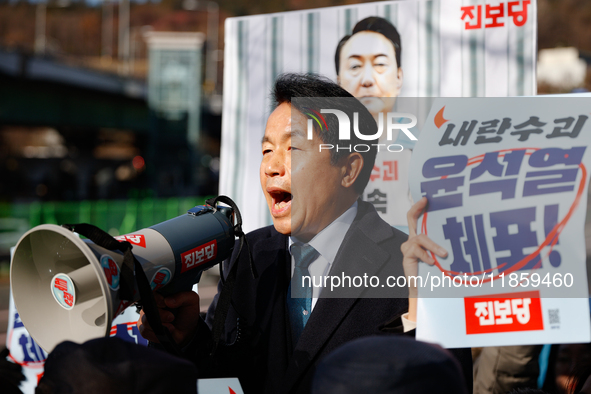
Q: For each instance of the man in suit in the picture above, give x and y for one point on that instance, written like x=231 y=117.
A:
x=276 y=329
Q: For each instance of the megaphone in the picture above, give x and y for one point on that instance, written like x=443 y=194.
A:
x=68 y=288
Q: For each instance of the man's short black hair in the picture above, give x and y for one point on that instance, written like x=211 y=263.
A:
x=316 y=92
x=378 y=25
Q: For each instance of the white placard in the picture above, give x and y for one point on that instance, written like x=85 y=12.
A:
x=219 y=386
x=507 y=182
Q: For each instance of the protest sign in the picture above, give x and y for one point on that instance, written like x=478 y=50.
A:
x=506 y=180
x=448 y=49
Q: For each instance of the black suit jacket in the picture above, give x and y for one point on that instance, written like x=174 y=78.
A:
x=258 y=348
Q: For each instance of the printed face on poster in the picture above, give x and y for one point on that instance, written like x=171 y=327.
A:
x=507 y=181
x=377 y=52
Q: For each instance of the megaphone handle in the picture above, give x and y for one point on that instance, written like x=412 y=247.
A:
x=237 y=230
x=225 y=299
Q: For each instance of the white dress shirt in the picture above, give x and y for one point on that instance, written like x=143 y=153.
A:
x=327 y=243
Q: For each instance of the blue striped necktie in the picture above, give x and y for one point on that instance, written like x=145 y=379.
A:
x=299 y=296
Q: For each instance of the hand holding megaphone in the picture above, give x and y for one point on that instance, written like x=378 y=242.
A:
x=67 y=288
x=179 y=313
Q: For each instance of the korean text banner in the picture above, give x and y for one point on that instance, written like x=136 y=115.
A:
x=506 y=180
x=450 y=48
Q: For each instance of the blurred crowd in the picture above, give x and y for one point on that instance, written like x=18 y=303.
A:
x=380 y=365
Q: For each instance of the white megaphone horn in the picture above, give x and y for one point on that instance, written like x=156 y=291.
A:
x=67 y=288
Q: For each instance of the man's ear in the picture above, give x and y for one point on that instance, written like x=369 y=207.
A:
x=400 y=75
x=352 y=166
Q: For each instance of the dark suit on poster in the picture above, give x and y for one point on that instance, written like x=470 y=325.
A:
x=257 y=331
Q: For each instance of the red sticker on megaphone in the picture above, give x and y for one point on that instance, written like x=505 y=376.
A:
x=134 y=239
x=199 y=255
x=160 y=278
x=111 y=271
x=62 y=289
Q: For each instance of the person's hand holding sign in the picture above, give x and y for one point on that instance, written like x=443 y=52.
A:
x=417 y=248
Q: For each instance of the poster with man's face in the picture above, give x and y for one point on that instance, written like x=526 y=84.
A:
x=369 y=66
x=377 y=52
x=368 y=63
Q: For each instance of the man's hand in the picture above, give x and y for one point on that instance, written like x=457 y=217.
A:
x=414 y=249
x=179 y=313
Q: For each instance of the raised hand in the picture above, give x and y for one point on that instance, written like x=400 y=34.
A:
x=416 y=249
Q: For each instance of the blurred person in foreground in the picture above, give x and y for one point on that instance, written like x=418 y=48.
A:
x=388 y=365
x=499 y=369
x=580 y=381
x=271 y=341
x=369 y=66
x=569 y=369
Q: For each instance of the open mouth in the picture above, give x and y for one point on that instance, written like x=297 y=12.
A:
x=281 y=201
